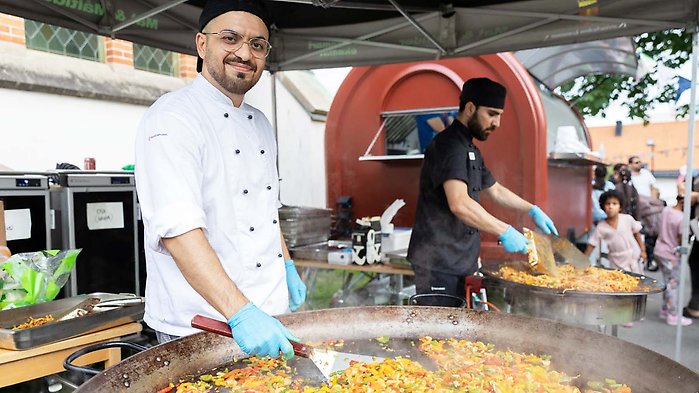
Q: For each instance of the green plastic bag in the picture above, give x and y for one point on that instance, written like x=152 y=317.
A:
x=35 y=277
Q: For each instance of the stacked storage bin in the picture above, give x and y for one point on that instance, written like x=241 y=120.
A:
x=305 y=225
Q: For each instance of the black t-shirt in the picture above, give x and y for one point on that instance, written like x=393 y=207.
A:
x=440 y=241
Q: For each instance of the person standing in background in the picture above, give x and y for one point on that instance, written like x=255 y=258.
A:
x=627 y=191
x=616 y=177
x=644 y=183
x=692 y=309
x=642 y=180
x=666 y=251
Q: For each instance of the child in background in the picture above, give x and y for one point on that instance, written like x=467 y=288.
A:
x=669 y=260
x=599 y=185
x=618 y=231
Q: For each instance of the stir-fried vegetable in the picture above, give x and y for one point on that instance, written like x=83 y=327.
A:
x=463 y=366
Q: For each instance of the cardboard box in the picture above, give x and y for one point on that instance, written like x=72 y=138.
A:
x=3 y=237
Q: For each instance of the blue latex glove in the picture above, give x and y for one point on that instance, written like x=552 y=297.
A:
x=297 y=289
x=260 y=334
x=542 y=221
x=513 y=240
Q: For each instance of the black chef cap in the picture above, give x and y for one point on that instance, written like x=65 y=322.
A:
x=483 y=92
x=214 y=8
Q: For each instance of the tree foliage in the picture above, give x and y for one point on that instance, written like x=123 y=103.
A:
x=592 y=94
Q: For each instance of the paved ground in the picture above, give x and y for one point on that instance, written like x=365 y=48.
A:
x=654 y=334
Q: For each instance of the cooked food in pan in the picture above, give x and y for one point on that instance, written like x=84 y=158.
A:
x=591 y=279
x=462 y=366
x=34 y=322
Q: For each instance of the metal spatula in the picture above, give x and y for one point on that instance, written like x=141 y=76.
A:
x=327 y=361
x=540 y=246
x=79 y=310
x=569 y=252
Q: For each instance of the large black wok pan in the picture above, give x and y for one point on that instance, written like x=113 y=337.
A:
x=575 y=350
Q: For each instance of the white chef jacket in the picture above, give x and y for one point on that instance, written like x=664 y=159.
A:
x=203 y=163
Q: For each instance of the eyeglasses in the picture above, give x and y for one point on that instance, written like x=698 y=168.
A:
x=233 y=41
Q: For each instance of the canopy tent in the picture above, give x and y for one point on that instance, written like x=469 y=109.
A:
x=332 y=33
x=556 y=65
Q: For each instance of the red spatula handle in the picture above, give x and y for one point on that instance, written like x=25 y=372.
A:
x=222 y=328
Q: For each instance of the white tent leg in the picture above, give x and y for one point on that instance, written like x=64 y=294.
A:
x=687 y=195
x=275 y=127
x=273 y=76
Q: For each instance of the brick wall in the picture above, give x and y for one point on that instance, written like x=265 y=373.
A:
x=118 y=52
x=668 y=154
x=12 y=29
x=188 y=66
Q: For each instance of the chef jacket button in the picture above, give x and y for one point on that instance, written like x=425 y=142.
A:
x=252 y=229
x=250 y=117
x=262 y=152
x=269 y=187
x=245 y=191
x=258 y=264
x=225 y=115
x=274 y=221
x=237 y=151
x=279 y=255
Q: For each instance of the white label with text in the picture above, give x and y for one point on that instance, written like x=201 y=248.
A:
x=18 y=224
x=105 y=215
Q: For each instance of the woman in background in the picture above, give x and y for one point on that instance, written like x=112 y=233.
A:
x=628 y=193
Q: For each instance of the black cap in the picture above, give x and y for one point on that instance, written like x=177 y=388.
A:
x=483 y=92
x=214 y=8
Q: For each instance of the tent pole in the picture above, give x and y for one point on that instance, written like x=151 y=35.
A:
x=687 y=194
x=273 y=75
x=275 y=126
x=418 y=26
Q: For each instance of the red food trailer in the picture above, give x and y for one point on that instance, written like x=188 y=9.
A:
x=378 y=105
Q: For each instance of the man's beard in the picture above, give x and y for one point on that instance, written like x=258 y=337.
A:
x=238 y=85
x=475 y=128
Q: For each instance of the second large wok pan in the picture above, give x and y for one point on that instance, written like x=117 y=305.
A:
x=572 y=306
x=575 y=351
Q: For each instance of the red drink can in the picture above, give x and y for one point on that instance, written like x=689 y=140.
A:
x=89 y=163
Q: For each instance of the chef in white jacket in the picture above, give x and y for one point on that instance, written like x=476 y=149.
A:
x=208 y=187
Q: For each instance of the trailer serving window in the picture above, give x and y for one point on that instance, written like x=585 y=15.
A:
x=407 y=133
